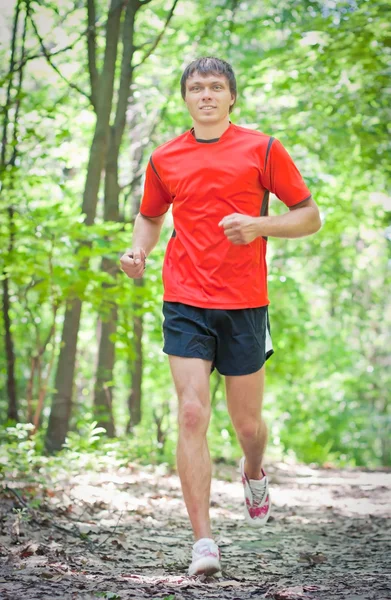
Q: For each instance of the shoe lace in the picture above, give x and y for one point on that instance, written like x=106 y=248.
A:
x=258 y=490
x=205 y=550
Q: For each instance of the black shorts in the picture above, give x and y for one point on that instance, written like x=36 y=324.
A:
x=237 y=341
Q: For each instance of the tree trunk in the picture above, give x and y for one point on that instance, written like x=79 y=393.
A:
x=112 y=213
x=106 y=359
x=103 y=397
x=12 y=412
x=61 y=405
x=136 y=368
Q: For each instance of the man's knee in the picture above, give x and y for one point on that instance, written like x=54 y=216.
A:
x=248 y=429
x=193 y=416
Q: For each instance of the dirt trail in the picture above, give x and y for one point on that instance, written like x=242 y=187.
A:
x=125 y=534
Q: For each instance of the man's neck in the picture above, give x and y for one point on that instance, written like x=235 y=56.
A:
x=210 y=132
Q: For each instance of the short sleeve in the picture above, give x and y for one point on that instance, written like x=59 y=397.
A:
x=282 y=177
x=156 y=199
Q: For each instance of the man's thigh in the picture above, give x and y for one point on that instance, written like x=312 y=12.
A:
x=245 y=395
x=191 y=378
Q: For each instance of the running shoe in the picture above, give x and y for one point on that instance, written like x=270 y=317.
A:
x=205 y=558
x=257 y=504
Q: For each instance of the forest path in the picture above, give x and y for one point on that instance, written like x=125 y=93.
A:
x=125 y=534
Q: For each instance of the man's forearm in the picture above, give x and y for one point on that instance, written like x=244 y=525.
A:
x=293 y=224
x=146 y=233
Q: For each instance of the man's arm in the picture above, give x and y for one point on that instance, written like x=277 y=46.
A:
x=301 y=220
x=146 y=232
x=146 y=235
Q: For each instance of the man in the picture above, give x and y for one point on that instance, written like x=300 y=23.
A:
x=217 y=177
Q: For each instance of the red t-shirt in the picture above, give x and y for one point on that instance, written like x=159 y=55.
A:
x=204 y=182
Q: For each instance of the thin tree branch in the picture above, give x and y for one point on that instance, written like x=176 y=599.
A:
x=75 y=531
x=19 y=89
x=161 y=34
x=28 y=57
x=51 y=6
x=48 y=58
x=9 y=88
x=51 y=54
x=111 y=532
x=91 y=47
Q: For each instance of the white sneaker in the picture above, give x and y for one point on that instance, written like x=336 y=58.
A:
x=257 y=504
x=205 y=558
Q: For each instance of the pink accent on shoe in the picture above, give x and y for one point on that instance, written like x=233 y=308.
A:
x=206 y=552
x=205 y=558
x=258 y=511
x=256 y=498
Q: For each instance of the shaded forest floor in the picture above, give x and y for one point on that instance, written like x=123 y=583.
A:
x=125 y=534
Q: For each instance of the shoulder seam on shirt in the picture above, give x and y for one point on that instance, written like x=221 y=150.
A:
x=157 y=175
x=271 y=140
x=154 y=169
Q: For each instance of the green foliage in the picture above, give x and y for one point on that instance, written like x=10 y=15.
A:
x=22 y=457
x=85 y=440
x=18 y=449
x=315 y=75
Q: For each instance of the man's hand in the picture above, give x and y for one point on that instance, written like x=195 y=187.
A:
x=240 y=229
x=133 y=263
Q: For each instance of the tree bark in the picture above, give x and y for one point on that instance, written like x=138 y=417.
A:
x=12 y=411
x=61 y=405
x=103 y=396
x=136 y=367
x=106 y=357
x=91 y=49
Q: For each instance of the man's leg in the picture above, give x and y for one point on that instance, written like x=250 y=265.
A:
x=244 y=400
x=191 y=379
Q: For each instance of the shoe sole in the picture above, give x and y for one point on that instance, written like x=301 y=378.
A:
x=205 y=566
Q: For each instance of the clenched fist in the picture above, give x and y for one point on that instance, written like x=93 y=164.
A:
x=133 y=263
x=240 y=229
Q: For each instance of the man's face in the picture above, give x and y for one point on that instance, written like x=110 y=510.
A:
x=208 y=98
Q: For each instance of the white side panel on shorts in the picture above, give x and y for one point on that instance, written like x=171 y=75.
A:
x=268 y=341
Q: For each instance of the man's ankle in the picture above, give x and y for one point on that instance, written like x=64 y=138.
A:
x=203 y=534
x=254 y=474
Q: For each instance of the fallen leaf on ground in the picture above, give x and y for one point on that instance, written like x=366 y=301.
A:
x=314 y=559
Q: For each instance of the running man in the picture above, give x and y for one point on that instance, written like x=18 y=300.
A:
x=217 y=176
